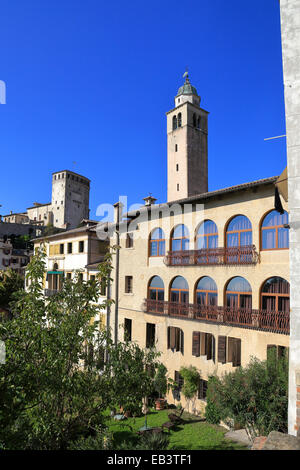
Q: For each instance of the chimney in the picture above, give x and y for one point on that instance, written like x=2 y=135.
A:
x=149 y=200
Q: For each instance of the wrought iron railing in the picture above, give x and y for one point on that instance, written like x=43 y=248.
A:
x=213 y=256
x=265 y=320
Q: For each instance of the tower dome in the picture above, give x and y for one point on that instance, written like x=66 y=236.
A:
x=187 y=92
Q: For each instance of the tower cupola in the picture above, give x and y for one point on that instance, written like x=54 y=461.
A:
x=187 y=92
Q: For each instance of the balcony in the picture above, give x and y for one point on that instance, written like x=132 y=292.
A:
x=263 y=320
x=240 y=255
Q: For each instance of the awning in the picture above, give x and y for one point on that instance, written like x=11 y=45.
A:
x=55 y=272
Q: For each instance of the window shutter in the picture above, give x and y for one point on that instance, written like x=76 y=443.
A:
x=169 y=337
x=208 y=345
x=222 y=349
x=172 y=337
x=237 y=351
x=196 y=344
x=200 y=389
x=181 y=341
x=213 y=348
x=202 y=344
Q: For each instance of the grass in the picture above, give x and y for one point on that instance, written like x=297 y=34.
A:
x=194 y=434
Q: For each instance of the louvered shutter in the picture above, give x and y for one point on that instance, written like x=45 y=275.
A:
x=196 y=344
x=169 y=337
x=238 y=347
x=208 y=340
x=172 y=337
x=222 y=349
x=181 y=341
x=202 y=344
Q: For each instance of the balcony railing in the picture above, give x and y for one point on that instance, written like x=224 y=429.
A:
x=265 y=320
x=213 y=256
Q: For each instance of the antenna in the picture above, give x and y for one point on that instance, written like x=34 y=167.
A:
x=277 y=137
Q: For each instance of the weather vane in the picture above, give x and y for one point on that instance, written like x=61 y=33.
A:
x=186 y=73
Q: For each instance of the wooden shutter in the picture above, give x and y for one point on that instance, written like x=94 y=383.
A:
x=202 y=344
x=169 y=337
x=172 y=337
x=196 y=344
x=208 y=345
x=237 y=352
x=222 y=349
x=181 y=341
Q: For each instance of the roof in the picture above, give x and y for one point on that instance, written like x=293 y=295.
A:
x=39 y=205
x=208 y=195
x=64 y=233
x=72 y=172
x=187 y=88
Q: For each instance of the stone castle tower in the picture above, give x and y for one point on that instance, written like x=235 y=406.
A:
x=70 y=199
x=187 y=145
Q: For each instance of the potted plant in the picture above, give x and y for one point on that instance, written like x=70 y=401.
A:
x=160 y=386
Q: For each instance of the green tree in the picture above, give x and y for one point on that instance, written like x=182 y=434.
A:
x=191 y=379
x=10 y=283
x=160 y=383
x=255 y=397
x=55 y=385
x=131 y=375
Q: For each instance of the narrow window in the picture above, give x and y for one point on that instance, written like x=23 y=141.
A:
x=129 y=240
x=128 y=284
x=174 y=123
x=70 y=247
x=202 y=390
x=179 y=120
x=150 y=335
x=61 y=249
x=176 y=147
x=81 y=246
x=127 y=329
x=177 y=187
x=175 y=339
x=177 y=167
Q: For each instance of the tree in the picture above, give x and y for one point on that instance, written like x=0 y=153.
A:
x=191 y=379
x=255 y=396
x=10 y=283
x=132 y=380
x=160 y=380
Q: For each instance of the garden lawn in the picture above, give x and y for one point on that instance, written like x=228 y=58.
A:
x=194 y=434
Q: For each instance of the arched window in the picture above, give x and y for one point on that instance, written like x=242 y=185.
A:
x=194 y=120
x=174 y=123
x=199 y=122
x=206 y=292
x=157 y=243
x=156 y=289
x=207 y=235
x=239 y=293
x=179 y=291
x=239 y=232
x=179 y=120
x=274 y=236
x=180 y=238
x=275 y=295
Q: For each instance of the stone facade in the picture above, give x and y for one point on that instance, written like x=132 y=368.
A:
x=290 y=31
x=68 y=207
x=187 y=146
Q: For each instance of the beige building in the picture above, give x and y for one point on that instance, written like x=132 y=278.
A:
x=11 y=258
x=204 y=278
x=76 y=252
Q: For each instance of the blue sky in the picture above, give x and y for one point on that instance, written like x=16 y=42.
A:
x=90 y=82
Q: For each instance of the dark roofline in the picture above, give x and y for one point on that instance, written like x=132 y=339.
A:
x=191 y=104
x=73 y=173
x=39 y=205
x=208 y=195
x=64 y=233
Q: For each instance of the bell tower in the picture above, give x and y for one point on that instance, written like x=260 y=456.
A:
x=187 y=144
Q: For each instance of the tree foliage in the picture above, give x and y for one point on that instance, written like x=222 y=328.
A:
x=55 y=385
x=191 y=379
x=10 y=283
x=255 y=396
